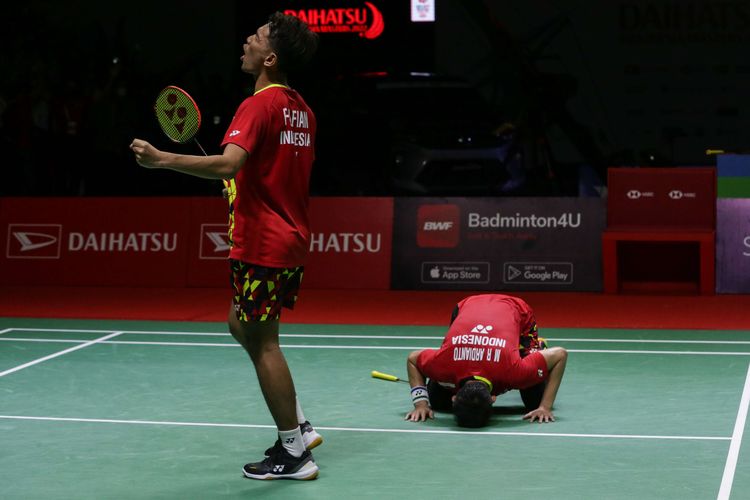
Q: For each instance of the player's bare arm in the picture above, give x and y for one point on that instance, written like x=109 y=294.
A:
x=556 y=358
x=418 y=383
x=223 y=166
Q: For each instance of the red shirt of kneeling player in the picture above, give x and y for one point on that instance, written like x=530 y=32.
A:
x=492 y=346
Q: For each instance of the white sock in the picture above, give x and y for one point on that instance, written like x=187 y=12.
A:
x=300 y=416
x=292 y=441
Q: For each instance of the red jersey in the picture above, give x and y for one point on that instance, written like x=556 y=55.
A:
x=268 y=224
x=483 y=340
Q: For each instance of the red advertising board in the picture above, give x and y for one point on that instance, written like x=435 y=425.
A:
x=662 y=198
x=176 y=242
x=350 y=245
x=209 y=243
x=93 y=241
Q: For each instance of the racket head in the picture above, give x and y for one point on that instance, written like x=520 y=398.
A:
x=177 y=113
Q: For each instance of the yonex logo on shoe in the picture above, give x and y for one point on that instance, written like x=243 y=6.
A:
x=482 y=329
x=278 y=468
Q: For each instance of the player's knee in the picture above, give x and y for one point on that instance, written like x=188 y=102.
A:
x=555 y=355
x=560 y=354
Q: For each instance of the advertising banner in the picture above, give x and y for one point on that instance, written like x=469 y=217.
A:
x=662 y=198
x=177 y=242
x=94 y=241
x=523 y=244
x=733 y=245
x=734 y=175
x=350 y=243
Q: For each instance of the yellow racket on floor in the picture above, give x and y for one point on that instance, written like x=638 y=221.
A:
x=386 y=376
x=178 y=115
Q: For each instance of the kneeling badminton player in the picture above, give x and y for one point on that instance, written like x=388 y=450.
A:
x=492 y=346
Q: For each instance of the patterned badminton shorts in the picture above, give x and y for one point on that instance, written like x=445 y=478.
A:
x=260 y=292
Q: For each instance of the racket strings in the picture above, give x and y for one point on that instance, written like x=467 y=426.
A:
x=177 y=113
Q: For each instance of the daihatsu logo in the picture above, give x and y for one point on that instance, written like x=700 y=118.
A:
x=215 y=242
x=34 y=241
x=219 y=239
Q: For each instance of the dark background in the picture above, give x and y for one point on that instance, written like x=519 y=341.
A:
x=589 y=84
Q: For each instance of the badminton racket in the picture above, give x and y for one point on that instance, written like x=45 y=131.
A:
x=385 y=376
x=178 y=115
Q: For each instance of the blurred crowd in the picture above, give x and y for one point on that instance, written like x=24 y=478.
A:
x=65 y=130
x=71 y=104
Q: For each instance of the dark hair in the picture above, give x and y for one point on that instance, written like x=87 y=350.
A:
x=292 y=41
x=473 y=405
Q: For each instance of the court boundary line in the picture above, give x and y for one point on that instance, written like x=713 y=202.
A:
x=369 y=429
x=57 y=354
x=353 y=347
x=734 y=448
x=383 y=337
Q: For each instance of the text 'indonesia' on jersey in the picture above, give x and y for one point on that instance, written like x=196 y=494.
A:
x=294 y=120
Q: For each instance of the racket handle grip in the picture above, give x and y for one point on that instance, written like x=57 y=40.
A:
x=384 y=376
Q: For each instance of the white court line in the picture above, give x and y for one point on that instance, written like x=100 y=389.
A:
x=734 y=448
x=365 y=429
x=405 y=348
x=51 y=356
x=652 y=341
x=401 y=337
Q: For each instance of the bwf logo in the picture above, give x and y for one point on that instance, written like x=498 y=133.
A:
x=438 y=226
x=34 y=241
x=214 y=242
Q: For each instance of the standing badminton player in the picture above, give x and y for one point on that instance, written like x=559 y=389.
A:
x=267 y=158
x=492 y=346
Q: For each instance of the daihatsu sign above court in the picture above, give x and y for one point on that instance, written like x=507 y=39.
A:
x=367 y=21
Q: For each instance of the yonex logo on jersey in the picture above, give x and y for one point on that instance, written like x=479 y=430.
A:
x=540 y=373
x=234 y=132
x=34 y=241
x=482 y=329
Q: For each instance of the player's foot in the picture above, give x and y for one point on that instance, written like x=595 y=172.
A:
x=282 y=465
x=310 y=438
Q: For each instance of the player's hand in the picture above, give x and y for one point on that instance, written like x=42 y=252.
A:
x=541 y=415
x=145 y=154
x=420 y=413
